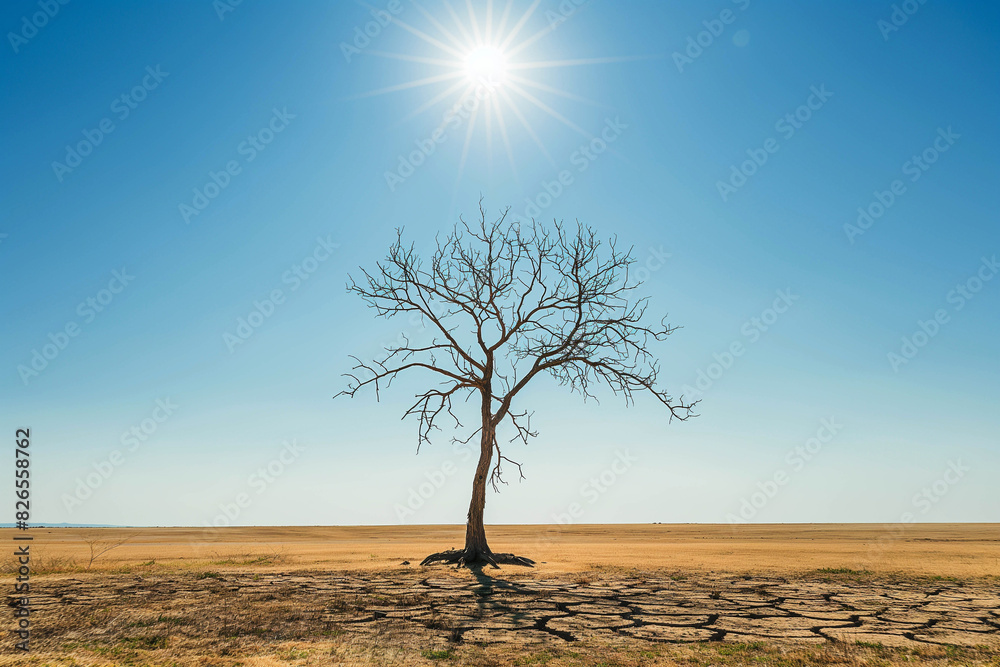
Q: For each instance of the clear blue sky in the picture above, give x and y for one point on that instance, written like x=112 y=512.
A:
x=269 y=92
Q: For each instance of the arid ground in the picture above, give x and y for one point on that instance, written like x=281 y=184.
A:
x=600 y=595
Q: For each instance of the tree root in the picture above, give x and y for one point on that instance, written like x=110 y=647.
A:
x=467 y=558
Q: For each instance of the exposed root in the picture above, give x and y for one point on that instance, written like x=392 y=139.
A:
x=468 y=558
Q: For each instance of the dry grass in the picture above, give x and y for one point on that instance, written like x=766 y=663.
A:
x=943 y=550
x=236 y=605
x=156 y=651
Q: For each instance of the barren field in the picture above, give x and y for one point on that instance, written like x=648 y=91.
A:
x=600 y=595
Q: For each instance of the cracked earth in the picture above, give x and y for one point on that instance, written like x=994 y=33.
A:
x=438 y=606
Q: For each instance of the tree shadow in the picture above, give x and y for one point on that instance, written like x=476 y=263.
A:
x=488 y=583
x=489 y=604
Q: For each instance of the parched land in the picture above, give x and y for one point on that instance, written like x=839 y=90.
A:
x=780 y=595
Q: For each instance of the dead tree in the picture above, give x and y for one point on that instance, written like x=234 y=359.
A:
x=508 y=302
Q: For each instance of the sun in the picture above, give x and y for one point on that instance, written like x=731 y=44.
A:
x=486 y=65
x=479 y=66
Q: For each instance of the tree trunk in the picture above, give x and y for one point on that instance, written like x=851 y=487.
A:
x=475 y=531
x=476 y=550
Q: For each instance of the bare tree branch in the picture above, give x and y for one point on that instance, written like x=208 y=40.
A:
x=508 y=302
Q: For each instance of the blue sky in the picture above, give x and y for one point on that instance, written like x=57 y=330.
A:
x=145 y=412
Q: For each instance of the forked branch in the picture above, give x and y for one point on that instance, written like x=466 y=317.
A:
x=508 y=302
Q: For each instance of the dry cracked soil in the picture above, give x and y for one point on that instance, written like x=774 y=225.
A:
x=428 y=611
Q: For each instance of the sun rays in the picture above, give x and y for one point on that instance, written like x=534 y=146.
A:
x=475 y=65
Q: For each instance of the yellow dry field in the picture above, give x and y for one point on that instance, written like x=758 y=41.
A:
x=949 y=550
x=610 y=595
